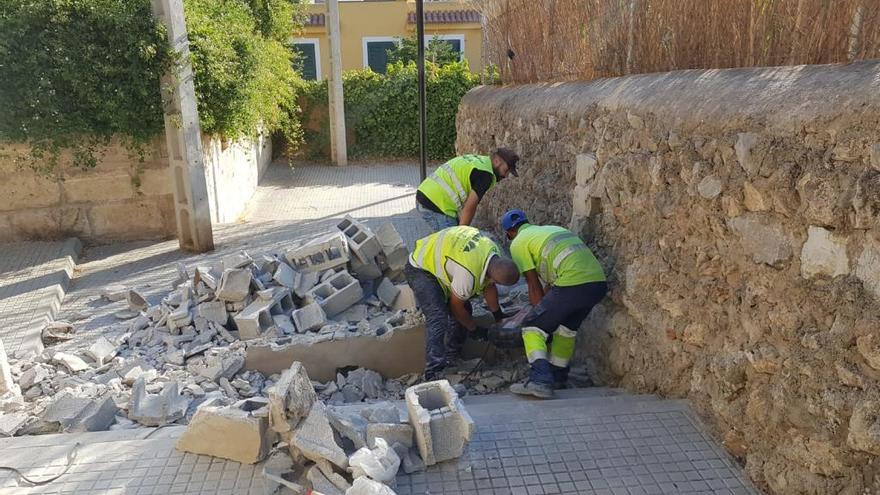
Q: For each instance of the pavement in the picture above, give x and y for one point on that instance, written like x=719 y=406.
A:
x=590 y=441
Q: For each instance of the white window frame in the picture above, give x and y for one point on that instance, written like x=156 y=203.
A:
x=368 y=39
x=453 y=37
x=317 y=44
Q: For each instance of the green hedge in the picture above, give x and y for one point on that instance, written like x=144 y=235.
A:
x=76 y=73
x=381 y=111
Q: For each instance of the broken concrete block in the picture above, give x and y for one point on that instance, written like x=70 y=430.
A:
x=442 y=426
x=368 y=381
x=320 y=483
x=409 y=459
x=314 y=438
x=337 y=294
x=305 y=281
x=136 y=301
x=10 y=423
x=361 y=240
x=365 y=271
x=391 y=432
x=327 y=252
x=73 y=363
x=239 y=432
x=285 y=275
x=354 y=314
x=235 y=285
x=380 y=463
x=33 y=376
x=352 y=427
x=69 y=413
x=387 y=292
x=308 y=318
x=238 y=260
x=102 y=351
x=291 y=398
x=207 y=275
x=6 y=383
x=406 y=298
x=165 y=407
x=222 y=364
x=366 y=486
x=284 y=324
x=214 y=311
x=393 y=248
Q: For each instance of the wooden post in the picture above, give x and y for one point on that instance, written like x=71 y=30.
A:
x=339 y=149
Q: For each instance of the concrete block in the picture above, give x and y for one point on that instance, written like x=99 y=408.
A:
x=239 y=432
x=234 y=285
x=387 y=292
x=163 y=408
x=285 y=275
x=392 y=433
x=365 y=271
x=255 y=319
x=361 y=240
x=314 y=438
x=442 y=426
x=337 y=294
x=102 y=351
x=213 y=311
x=354 y=314
x=69 y=413
x=6 y=383
x=350 y=426
x=406 y=298
x=324 y=253
x=291 y=398
x=284 y=325
x=393 y=247
x=304 y=282
x=308 y=318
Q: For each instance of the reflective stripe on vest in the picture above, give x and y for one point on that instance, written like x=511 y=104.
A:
x=422 y=253
x=548 y=273
x=458 y=197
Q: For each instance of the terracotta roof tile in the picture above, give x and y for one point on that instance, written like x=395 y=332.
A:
x=447 y=17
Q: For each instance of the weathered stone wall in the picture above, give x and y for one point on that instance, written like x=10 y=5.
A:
x=122 y=198
x=736 y=212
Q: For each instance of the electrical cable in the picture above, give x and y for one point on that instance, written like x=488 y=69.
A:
x=71 y=456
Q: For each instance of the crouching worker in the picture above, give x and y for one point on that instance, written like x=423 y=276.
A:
x=445 y=270
x=573 y=282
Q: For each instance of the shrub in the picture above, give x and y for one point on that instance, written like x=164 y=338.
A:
x=75 y=74
x=381 y=111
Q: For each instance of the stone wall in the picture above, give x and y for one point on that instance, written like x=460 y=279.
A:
x=122 y=198
x=736 y=213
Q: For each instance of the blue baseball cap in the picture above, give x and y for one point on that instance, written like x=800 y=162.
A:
x=513 y=219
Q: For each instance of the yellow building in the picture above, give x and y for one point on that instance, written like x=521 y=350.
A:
x=370 y=27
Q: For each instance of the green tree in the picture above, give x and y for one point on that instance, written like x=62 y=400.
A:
x=437 y=51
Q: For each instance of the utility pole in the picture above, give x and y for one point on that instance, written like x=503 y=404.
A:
x=184 y=136
x=338 y=147
x=423 y=131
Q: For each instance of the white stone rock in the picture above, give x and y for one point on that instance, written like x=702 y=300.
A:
x=875 y=156
x=73 y=363
x=824 y=253
x=102 y=351
x=710 y=187
x=586 y=165
x=762 y=238
x=745 y=142
x=868 y=267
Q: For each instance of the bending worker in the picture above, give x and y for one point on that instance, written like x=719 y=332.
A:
x=445 y=270
x=450 y=195
x=573 y=282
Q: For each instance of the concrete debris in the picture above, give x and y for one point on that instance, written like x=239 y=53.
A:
x=235 y=285
x=69 y=413
x=410 y=460
x=291 y=398
x=351 y=427
x=315 y=440
x=136 y=301
x=73 y=363
x=320 y=483
x=366 y=486
x=239 y=432
x=102 y=351
x=380 y=463
x=11 y=423
x=114 y=293
x=361 y=241
x=6 y=383
x=391 y=432
x=163 y=408
x=336 y=294
x=328 y=252
x=32 y=376
x=309 y=318
x=387 y=292
x=442 y=425
x=57 y=331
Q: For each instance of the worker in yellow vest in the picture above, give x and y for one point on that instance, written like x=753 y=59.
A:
x=445 y=270
x=565 y=282
x=450 y=195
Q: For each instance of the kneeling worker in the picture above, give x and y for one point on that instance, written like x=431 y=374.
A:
x=450 y=195
x=454 y=265
x=574 y=282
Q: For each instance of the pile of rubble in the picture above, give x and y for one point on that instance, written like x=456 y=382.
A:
x=333 y=450
x=165 y=359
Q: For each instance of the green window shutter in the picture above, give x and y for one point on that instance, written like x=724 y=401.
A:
x=307 y=62
x=377 y=55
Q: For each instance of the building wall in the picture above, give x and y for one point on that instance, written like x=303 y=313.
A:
x=388 y=19
x=737 y=215
x=122 y=198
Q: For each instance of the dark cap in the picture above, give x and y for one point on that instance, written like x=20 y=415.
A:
x=510 y=158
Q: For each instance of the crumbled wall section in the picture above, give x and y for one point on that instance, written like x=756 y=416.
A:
x=736 y=212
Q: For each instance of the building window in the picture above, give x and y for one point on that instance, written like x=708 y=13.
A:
x=376 y=52
x=456 y=41
x=308 y=61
